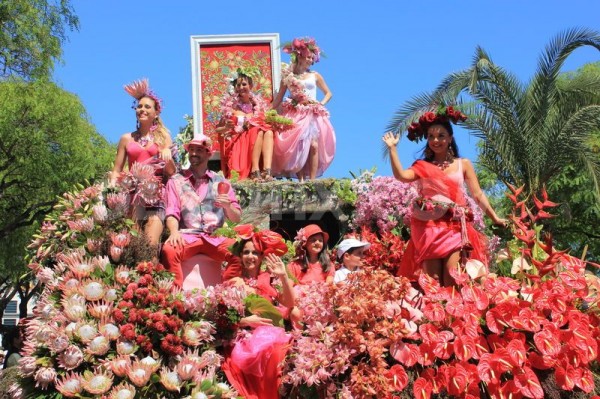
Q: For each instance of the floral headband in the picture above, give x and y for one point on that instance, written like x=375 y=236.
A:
x=249 y=71
x=139 y=89
x=418 y=130
x=265 y=241
x=302 y=46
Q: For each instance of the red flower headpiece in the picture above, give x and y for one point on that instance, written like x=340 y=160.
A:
x=265 y=241
x=139 y=89
x=302 y=46
x=418 y=130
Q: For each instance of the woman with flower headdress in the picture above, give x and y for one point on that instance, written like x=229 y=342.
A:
x=308 y=148
x=442 y=231
x=149 y=144
x=253 y=366
x=244 y=136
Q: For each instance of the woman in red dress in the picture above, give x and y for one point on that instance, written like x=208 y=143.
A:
x=245 y=139
x=441 y=223
x=253 y=366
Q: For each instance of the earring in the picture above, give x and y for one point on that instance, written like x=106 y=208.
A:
x=450 y=156
x=137 y=125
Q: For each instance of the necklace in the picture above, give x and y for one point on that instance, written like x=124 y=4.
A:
x=245 y=107
x=145 y=140
x=441 y=165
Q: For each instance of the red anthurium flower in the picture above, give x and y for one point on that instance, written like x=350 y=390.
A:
x=406 y=354
x=476 y=295
x=422 y=388
x=430 y=286
x=527 y=383
x=541 y=362
x=502 y=361
x=547 y=340
x=437 y=378
x=459 y=275
x=444 y=348
x=398 y=379
x=517 y=352
x=585 y=380
x=565 y=377
x=464 y=348
x=573 y=279
x=426 y=356
x=527 y=319
x=429 y=332
x=455 y=306
x=244 y=231
x=434 y=311
x=458 y=379
x=486 y=371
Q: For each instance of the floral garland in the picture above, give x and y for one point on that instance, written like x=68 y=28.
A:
x=418 y=130
x=299 y=99
x=231 y=102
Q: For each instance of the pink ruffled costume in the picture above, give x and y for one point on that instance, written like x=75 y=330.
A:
x=311 y=123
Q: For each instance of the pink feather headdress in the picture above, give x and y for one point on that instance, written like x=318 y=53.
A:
x=139 y=89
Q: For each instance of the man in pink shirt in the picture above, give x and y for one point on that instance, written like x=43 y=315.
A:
x=198 y=201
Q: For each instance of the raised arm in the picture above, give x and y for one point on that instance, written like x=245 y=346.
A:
x=275 y=265
x=324 y=88
x=279 y=98
x=478 y=194
x=405 y=175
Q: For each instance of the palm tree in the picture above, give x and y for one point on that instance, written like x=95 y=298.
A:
x=529 y=131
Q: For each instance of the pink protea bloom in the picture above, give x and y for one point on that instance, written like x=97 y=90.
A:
x=70 y=358
x=121 y=239
x=111 y=294
x=97 y=383
x=139 y=374
x=69 y=385
x=27 y=366
x=93 y=245
x=109 y=330
x=151 y=362
x=44 y=377
x=194 y=333
x=58 y=342
x=48 y=227
x=119 y=365
x=101 y=309
x=15 y=391
x=75 y=262
x=127 y=181
x=122 y=275
x=81 y=225
x=93 y=289
x=142 y=171
x=116 y=252
x=164 y=284
x=118 y=202
x=69 y=285
x=99 y=213
x=187 y=368
x=70 y=329
x=86 y=331
x=170 y=380
x=100 y=262
x=122 y=391
x=45 y=275
x=125 y=347
x=98 y=346
x=45 y=310
x=74 y=307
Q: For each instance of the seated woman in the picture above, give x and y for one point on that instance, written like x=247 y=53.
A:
x=253 y=365
x=244 y=137
x=149 y=144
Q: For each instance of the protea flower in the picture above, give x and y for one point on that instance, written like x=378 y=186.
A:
x=58 y=342
x=109 y=330
x=122 y=275
x=70 y=358
x=27 y=366
x=98 y=346
x=44 y=309
x=100 y=212
x=142 y=171
x=119 y=365
x=116 y=252
x=15 y=391
x=187 y=368
x=170 y=379
x=101 y=309
x=139 y=373
x=118 y=202
x=82 y=225
x=86 y=332
x=69 y=385
x=44 y=377
x=194 y=333
x=121 y=239
x=76 y=263
x=111 y=295
x=93 y=245
x=93 y=289
x=45 y=275
x=69 y=284
x=98 y=382
x=150 y=191
x=122 y=391
x=125 y=347
x=100 y=262
x=74 y=307
x=127 y=181
x=70 y=329
x=164 y=284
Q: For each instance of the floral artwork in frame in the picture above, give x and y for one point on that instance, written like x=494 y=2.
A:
x=215 y=58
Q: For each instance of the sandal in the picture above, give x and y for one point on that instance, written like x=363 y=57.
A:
x=266 y=175
x=255 y=176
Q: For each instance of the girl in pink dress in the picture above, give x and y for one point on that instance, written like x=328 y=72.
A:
x=308 y=148
x=253 y=366
x=150 y=144
x=312 y=262
x=245 y=139
x=442 y=232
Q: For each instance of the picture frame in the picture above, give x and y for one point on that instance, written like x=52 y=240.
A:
x=215 y=58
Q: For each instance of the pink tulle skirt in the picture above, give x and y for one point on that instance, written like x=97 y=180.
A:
x=254 y=366
x=290 y=153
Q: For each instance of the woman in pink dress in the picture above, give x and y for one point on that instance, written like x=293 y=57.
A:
x=312 y=262
x=244 y=138
x=308 y=148
x=442 y=232
x=149 y=144
x=254 y=364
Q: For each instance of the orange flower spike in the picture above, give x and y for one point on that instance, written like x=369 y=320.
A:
x=538 y=204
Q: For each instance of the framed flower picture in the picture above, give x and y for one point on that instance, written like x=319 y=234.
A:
x=215 y=58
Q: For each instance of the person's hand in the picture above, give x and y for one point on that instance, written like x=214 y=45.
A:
x=175 y=239
x=223 y=201
x=500 y=222
x=275 y=265
x=254 y=321
x=166 y=155
x=391 y=140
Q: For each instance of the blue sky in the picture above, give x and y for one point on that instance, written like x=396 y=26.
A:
x=379 y=55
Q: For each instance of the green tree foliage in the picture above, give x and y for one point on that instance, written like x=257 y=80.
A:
x=531 y=131
x=47 y=144
x=31 y=36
